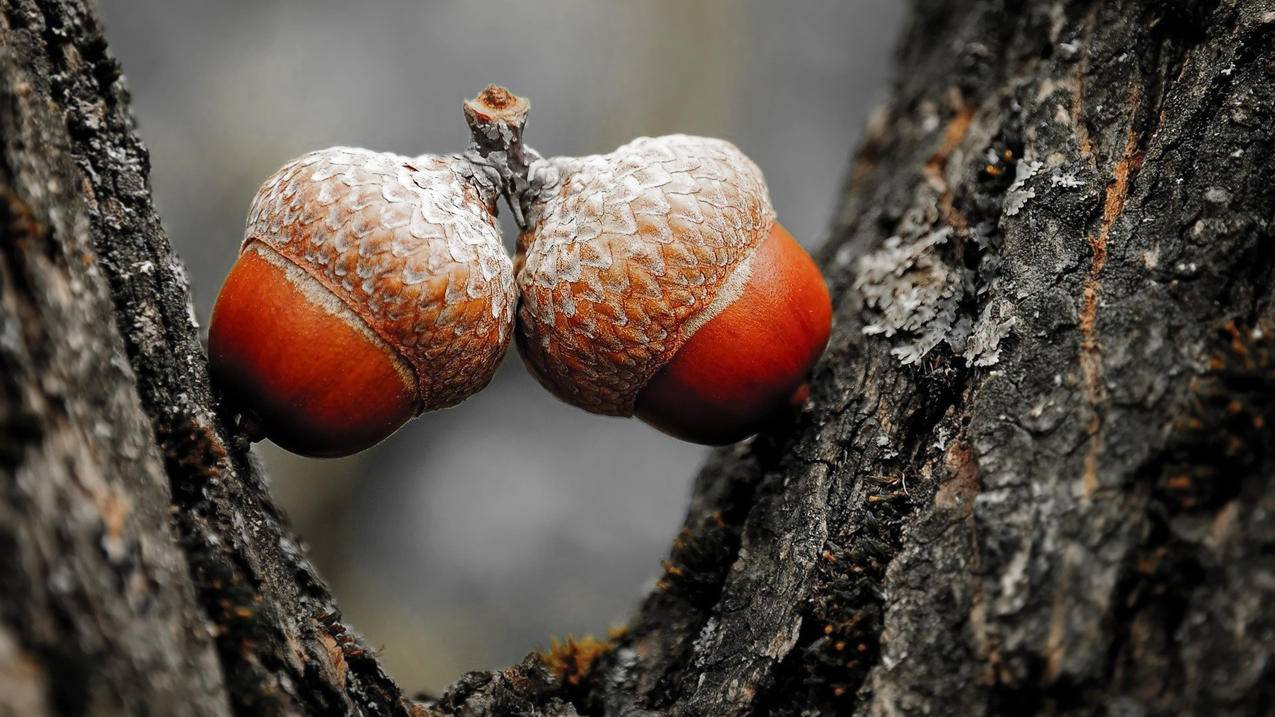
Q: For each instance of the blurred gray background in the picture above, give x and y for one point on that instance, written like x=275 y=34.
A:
x=474 y=534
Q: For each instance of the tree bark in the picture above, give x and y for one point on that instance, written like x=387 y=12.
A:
x=1033 y=475
x=145 y=568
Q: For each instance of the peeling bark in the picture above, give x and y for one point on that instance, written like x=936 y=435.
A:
x=1074 y=517
x=1032 y=476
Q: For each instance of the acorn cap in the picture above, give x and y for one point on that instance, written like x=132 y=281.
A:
x=409 y=246
x=628 y=256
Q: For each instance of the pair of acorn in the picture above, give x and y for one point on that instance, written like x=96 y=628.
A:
x=653 y=281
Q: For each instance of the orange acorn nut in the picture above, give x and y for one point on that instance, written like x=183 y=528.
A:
x=656 y=282
x=370 y=288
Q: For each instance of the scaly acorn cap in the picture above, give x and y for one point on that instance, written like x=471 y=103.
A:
x=627 y=255
x=409 y=245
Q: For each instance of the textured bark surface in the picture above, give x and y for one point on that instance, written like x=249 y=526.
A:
x=1033 y=475
x=145 y=568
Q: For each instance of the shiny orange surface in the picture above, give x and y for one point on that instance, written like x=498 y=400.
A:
x=317 y=382
x=748 y=361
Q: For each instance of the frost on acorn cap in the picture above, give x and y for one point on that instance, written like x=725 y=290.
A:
x=628 y=255
x=406 y=244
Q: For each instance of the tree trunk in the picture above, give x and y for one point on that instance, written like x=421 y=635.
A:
x=1033 y=475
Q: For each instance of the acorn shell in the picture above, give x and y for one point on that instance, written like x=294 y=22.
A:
x=408 y=245
x=628 y=255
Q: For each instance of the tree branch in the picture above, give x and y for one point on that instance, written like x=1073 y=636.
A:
x=245 y=585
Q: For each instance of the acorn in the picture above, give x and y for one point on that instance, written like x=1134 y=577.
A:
x=655 y=282
x=370 y=287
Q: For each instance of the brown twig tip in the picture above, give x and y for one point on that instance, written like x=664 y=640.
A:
x=497 y=104
x=497 y=96
x=496 y=119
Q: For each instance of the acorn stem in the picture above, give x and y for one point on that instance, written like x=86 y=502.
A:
x=496 y=119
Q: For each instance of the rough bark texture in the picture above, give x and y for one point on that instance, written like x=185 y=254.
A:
x=1033 y=475
x=144 y=567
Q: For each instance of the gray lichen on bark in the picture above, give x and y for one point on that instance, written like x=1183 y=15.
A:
x=1078 y=525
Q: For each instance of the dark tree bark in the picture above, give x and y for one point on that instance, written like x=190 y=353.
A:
x=144 y=567
x=1034 y=475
